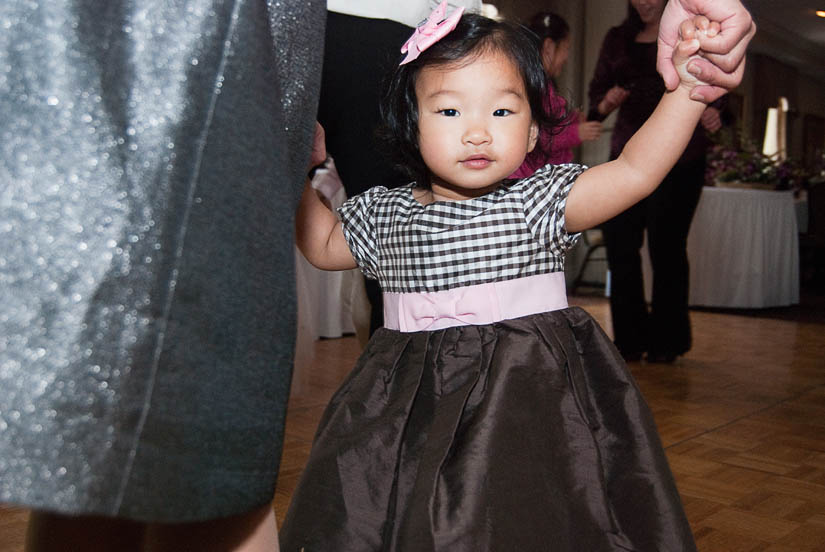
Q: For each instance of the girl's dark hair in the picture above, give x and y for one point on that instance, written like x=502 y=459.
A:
x=474 y=36
x=549 y=25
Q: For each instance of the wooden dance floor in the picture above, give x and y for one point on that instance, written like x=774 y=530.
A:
x=742 y=417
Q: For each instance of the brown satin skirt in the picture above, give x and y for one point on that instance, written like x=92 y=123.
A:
x=526 y=434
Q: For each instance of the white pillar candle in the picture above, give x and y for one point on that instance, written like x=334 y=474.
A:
x=770 y=146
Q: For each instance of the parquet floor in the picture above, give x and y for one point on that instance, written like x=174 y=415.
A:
x=742 y=417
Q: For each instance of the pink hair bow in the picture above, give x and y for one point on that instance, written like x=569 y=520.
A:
x=435 y=28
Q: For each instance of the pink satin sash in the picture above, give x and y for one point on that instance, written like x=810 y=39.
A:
x=475 y=305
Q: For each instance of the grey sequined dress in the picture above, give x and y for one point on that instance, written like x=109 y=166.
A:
x=151 y=157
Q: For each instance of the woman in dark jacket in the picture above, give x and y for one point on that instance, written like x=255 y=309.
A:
x=626 y=79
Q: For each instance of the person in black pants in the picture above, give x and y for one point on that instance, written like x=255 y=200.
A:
x=358 y=53
x=626 y=79
x=664 y=330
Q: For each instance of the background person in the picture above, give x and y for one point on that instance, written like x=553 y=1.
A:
x=555 y=146
x=626 y=79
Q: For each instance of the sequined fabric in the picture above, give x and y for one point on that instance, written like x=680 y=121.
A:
x=151 y=157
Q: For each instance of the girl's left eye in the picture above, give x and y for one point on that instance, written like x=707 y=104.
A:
x=502 y=112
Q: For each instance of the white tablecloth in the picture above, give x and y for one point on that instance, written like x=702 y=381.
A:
x=743 y=249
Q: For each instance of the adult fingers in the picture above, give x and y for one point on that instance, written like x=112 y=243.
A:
x=619 y=94
x=707 y=93
x=593 y=130
x=711 y=120
x=734 y=27
x=319 y=146
x=726 y=58
x=712 y=126
x=706 y=71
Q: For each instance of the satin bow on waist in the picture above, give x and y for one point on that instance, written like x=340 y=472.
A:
x=475 y=305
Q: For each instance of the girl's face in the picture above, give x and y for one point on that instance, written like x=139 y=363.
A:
x=650 y=11
x=474 y=125
x=554 y=55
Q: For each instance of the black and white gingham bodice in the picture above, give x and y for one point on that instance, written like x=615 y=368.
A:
x=515 y=231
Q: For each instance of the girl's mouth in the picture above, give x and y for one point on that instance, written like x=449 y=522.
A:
x=476 y=162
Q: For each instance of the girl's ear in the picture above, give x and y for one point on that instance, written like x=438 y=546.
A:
x=533 y=136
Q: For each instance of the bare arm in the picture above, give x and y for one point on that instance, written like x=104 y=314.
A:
x=319 y=235
x=606 y=190
x=318 y=231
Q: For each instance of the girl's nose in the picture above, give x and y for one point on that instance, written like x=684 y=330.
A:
x=477 y=134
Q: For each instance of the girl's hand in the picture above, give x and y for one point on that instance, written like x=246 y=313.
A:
x=589 y=130
x=613 y=99
x=687 y=49
x=319 y=147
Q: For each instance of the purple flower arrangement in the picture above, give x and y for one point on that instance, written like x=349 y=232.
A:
x=736 y=159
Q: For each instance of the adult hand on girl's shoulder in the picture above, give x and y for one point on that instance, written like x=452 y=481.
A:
x=723 y=61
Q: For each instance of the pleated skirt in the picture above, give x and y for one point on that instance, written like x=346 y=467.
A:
x=526 y=434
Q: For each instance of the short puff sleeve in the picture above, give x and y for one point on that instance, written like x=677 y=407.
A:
x=358 y=223
x=544 y=195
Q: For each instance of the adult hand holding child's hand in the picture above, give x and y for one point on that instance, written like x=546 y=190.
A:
x=723 y=60
x=691 y=33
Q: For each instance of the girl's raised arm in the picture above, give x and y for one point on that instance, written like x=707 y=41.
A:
x=318 y=231
x=606 y=190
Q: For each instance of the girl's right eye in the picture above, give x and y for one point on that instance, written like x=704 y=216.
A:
x=449 y=112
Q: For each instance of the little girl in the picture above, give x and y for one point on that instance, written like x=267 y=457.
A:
x=487 y=414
